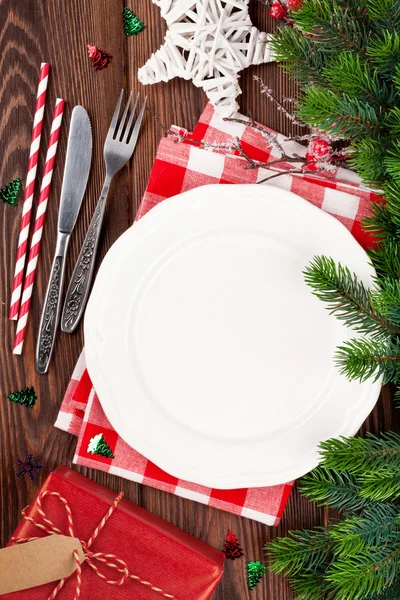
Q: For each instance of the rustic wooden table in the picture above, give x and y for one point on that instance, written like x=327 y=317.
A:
x=57 y=31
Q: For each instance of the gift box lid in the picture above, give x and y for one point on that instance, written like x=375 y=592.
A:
x=182 y=566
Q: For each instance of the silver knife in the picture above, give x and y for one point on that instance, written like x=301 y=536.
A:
x=76 y=173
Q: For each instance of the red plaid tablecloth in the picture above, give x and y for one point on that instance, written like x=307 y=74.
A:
x=179 y=167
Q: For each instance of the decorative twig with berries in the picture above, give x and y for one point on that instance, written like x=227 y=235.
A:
x=320 y=155
x=280 y=9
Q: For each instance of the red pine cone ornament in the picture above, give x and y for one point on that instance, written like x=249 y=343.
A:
x=232 y=549
x=100 y=59
x=278 y=11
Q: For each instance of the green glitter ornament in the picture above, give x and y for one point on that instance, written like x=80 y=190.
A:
x=9 y=194
x=99 y=446
x=26 y=397
x=255 y=572
x=132 y=25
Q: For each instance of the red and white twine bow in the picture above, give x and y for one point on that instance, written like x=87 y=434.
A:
x=90 y=558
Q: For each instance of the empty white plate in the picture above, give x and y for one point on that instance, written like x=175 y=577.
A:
x=209 y=354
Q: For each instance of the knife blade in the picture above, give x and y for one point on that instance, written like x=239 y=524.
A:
x=76 y=172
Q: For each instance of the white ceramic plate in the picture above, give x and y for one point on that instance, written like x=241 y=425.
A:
x=209 y=354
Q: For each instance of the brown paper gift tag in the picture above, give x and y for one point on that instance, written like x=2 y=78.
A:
x=47 y=559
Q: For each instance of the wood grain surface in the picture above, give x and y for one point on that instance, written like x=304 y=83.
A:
x=57 y=31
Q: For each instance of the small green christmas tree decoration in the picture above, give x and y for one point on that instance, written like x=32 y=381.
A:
x=255 y=572
x=132 y=25
x=98 y=445
x=9 y=194
x=26 y=397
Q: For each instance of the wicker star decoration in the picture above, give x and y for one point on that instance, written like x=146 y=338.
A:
x=209 y=42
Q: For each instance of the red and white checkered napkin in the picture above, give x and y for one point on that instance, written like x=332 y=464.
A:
x=180 y=167
x=81 y=414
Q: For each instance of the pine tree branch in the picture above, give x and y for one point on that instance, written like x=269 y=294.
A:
x=381 y=486
x=355 y=577
x=386 y=260
x=367 y=157
x=391 y=592
x=300 y=55
x=380 y=223
x=360 y=455
x=303 y=550
x=338 y=490
x=347 y=297
x=364 y=358
x=346 y=57
x=378 y=525
x=310 y=586
x=334 y=25
x=339 y=114
x=386 y=299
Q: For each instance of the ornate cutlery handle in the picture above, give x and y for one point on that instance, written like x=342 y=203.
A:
x=52 y=306
x=79 y=286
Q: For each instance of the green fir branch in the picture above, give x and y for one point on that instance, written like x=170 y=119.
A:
x=386 y=299
x=381 y=485
x=358 y=455
x=347 y=74
x=303 y=551
x=345 y=55
x=392 y=121
x=310 y=586
x=380 y=223
x=335 y=25
x=353 y=578
x=338 y=490
x=392 y=196
x=384 y=52
x=367 y=157
x=300 y=56
x=396 y=78
x=378 y=525
x=347 y=297
x=339 y=114
x=392 y=160
x=365 y=358
x=386 y=260
x=385 y=14
x=391 y=592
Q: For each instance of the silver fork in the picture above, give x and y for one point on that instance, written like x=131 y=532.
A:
x=118 y=149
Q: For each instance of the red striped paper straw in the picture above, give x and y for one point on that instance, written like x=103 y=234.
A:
x=38 y=226
x=29 y=191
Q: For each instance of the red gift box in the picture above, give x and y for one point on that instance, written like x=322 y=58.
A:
x=182 y=566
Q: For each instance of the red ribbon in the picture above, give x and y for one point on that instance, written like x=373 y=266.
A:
x=90 y=558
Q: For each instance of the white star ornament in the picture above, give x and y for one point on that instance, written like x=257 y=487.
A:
x=209 y=42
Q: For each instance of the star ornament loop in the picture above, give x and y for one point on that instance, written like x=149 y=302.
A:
x=209 y=42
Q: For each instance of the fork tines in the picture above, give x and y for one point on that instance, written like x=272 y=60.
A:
x=125 y=132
